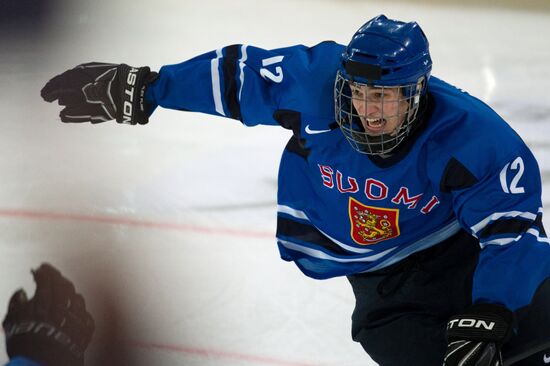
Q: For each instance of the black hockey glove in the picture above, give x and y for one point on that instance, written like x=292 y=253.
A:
x=475 y=338
x=98 y=92
x=53 y=328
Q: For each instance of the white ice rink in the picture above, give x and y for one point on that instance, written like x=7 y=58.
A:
x=176 y=219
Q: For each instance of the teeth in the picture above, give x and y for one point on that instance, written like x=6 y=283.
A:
x=375 y=121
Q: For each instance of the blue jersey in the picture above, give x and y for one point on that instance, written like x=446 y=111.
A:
x=341 y=212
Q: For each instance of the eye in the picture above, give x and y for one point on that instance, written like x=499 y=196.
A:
x=376 y=96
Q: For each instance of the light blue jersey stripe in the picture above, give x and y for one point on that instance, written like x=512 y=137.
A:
x=427 y=242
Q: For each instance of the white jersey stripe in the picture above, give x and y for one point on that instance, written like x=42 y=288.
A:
x=292 y=212
x=425 y=243
x=242 y=64
x=506 y=241
x=216 y=87
x=480 y=225
x=501 y=241
x=315 y=253
x=536 y=234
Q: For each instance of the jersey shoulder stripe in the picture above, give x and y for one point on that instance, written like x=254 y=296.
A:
x=229 y=69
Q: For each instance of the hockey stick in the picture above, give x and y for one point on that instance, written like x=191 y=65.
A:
x=525 y=352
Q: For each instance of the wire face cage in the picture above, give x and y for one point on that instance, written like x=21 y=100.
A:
x=375 y=119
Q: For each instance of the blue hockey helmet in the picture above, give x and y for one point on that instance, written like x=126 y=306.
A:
x=384 y=56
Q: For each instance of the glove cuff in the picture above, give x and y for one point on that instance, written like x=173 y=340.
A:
x=132 y=84
x=44 y=350
x=482 y=322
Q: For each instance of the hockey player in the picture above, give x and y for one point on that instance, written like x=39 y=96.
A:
x=53 y=328
x=416 y=191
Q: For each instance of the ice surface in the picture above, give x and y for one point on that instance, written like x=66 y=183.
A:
x=178 y=217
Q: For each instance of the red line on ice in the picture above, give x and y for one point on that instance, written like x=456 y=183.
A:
x=56 y=216
x=219 y=354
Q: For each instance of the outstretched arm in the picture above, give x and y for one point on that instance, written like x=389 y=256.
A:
x=242 y=82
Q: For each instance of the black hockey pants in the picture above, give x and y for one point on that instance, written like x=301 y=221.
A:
x=401 y=312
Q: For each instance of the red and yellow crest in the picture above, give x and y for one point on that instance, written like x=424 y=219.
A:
x=370 y=225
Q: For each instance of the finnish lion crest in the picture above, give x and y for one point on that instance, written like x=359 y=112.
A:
x=371 y=225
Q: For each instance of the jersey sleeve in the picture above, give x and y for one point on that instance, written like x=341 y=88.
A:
x=503 y=209
x=242 y=82
x=22 y=361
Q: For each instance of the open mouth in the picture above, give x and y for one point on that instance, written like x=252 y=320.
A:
x=374 y=124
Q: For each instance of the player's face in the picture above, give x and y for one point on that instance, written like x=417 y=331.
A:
x=381 y=110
